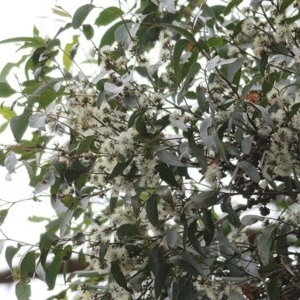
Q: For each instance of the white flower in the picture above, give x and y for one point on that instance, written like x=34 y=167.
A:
x=213 y=175
x=248 y=27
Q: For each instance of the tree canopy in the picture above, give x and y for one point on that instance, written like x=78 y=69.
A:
x=166 y=135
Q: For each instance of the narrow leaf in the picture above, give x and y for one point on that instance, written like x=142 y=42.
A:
x=6 y=90
x=118 y=275
x=80 y=15
x=264 y=243
x=53 y=268
x=19 y=124
x=151 y=209
x=23 y=290
x=170 y=159
x=108 y=15
x=250 y=170
x=27 y=265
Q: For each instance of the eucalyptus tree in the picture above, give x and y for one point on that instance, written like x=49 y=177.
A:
x=166 y=134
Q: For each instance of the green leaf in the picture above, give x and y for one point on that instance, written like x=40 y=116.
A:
x=2 y=243
x=32 y=41
x=108 y=15
x=141 y=127
x=192 y=236
x=118 y=275
x=197 y=151
x=263 y=62
x=10 y=252
x=205 y=199
x=179 y=47
x=88 y=31
x=23 y=290
x=266 y=115
x=119 y=168
x=264 y=243
x=128 y=231
x=3 y=215
x=47 y=240
x=19 y=124
x=233 y=218
x=251 y=219
x=170 y=159
x=52 y=269
x=231 y=5
x=151 y=209
x=272 y=288
x=27 y=265
x=80 y=15
x=188 y=263
x=250 y=170
x=70 y=52
x=85 y=144
x=7 y=68
x=209 y=226
x=193 y=71
x=166 y=174
x=160 y=280
x=183 y=32
x=283 y=6
x=108 y=38
x=6 y=90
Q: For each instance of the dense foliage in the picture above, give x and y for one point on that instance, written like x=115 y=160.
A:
x=161 y=149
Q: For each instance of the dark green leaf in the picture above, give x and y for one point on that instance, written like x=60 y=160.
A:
x=266 y=115
x=119 y=168
x=205 y=199
x=231 y=5
x=193 y=239
x=251 y=219
x=160 y=280
x=27 y=266
x=264 y=243
x=108 y=15
x=118 y=275
x=10 y=252
x=183 y=32
x=108 y=37
x=85 y=144
x=166 y=174
x=52 y=269
x=23 y=290
x=263 y=62
x=283 y=6
x=76 y=169
x=250 y=170
x=272 y=288
x=170 y=159
x=151 y=209
x=88 y=31
x=233 y=218
x=197 y=151
x=6 y=90
x=209 y=226
x=179 y=47
x=80 y=15
x=128 y=231
x=3 y=214
x=193 y=71
x=47 y=240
